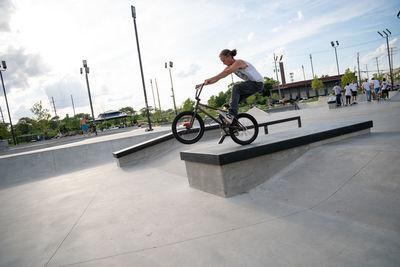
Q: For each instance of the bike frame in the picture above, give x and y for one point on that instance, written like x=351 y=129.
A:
x=198 y=107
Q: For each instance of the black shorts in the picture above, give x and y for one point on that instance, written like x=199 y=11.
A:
x=354 y=93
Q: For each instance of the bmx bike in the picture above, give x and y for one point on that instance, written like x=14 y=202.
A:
x=188 y=126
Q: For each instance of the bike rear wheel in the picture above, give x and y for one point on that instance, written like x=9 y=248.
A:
x=244 y=129
x=183 y=131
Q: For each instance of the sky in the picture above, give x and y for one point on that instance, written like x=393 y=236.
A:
x=45 y=41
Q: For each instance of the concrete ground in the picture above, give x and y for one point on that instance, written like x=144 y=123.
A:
x=337 y=205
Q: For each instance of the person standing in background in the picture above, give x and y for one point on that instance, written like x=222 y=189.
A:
x=366 y=86
x=353 y=87
x=347 y=89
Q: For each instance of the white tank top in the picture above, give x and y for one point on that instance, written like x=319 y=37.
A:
x=249 y=74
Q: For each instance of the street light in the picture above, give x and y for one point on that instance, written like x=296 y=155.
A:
x=86 y=68
x=387 y=34
x=337 y=63
x=169 y=67
x=4 y=65
x=276 y=71
x=141 y=67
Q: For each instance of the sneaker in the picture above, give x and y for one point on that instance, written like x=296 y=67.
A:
x=227 y=117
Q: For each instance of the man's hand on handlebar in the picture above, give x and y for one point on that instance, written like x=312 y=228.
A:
x=202 y=84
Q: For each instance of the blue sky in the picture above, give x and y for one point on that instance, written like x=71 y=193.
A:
x=45 y=41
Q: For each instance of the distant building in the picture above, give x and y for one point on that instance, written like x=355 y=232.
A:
x=111 y=115
x=303 y=89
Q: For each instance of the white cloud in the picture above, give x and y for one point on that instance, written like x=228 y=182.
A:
x=250 y=37
x=276 y=29
x=57 y=35
x=299 y=17
x=380 y=52
x=6 y=10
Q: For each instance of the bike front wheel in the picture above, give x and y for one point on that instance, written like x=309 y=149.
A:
x=186 y=132
x=244 y=129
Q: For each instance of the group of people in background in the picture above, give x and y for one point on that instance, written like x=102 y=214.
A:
x=350 y=92
x=375 y=89
x=372 y=89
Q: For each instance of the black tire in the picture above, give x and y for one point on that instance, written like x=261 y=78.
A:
x=244 y=130
x=184 y=133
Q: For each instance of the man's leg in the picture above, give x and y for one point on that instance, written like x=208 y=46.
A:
x=241 y=91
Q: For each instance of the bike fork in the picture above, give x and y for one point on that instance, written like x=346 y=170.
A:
x=224 y=134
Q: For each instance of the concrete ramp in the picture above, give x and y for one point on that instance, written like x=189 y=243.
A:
x=229 y=169
x=56 y=160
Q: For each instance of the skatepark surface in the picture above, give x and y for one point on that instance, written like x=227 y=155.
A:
x=336 y=205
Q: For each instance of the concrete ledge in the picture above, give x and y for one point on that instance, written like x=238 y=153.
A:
x=230 y=170
x=132 y=155
x=51 y=161
x=3 y=145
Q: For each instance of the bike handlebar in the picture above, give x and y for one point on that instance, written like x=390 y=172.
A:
x=198 y=91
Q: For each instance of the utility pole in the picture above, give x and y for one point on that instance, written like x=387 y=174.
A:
x=387 y=34
x=337 y=62
x=172 y=85
x=2 y=115
x=54 y=106
x=276 y=71
x=377 y=65
x=3 y=63
x=359 y=72
x=391 y=55
x=312 y=68
x=304 y=75
x=141 y=67
x=158 y=96
x=154 y=99
x=366 y=66
x=86 y=68
x=73 y=106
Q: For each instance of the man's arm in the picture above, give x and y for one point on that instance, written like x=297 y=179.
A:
x=228 y=70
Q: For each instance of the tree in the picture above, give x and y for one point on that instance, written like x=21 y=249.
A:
x=378 y=76
x=316 y=83
x=4 y=132
x=268 y=83
x=188 y=105
x=128 y=110
x=323 y=76
x=25 y=125
x=348 y=77
x=251 y=100
x=40 y=112
x=42 y=117
x=221 y=99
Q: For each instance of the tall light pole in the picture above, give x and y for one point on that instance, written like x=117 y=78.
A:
x=312 y=67
x=154 y=99
x=141 y=67
x=304 y=75
x=73 y=106
x=158 y=96
x=4 y=65
x=337 y=62
x=276 y=71
x=387 y=34
x=169 y=67
x=86 y=68
x=1 y=111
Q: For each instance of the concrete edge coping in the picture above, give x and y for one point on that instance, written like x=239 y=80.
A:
x=158 y=140
x=152 y=142
x=240 y=153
